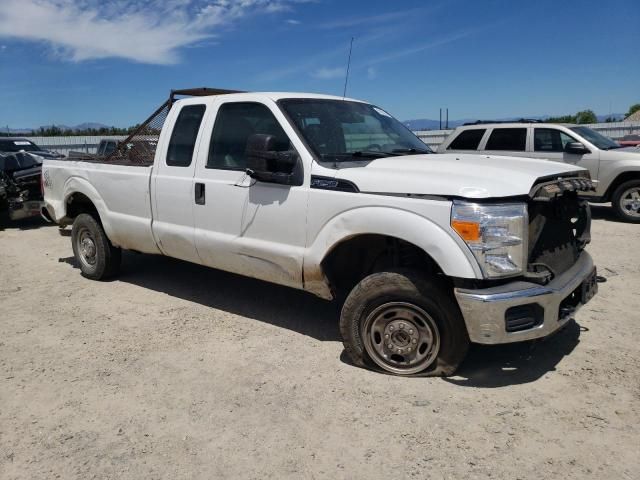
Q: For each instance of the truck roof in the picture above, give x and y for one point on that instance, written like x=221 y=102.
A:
x=275 y=96
x=514 y=124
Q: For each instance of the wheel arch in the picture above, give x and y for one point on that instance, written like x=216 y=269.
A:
x=372 y=230
x=82 y=197
x=621 y=178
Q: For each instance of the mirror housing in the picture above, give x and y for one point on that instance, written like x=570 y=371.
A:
x=266 y=164
x=576 y=148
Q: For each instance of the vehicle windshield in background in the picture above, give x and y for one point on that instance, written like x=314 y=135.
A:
x=599 y=140
x=338 y=130
x=18 y=145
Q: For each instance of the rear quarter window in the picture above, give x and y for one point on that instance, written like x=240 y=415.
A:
x=511 y=139
x=467 y=140
x=183 y=137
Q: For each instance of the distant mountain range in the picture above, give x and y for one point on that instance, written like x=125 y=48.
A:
x=428 y=124
x=81 y=126
x=417 y=124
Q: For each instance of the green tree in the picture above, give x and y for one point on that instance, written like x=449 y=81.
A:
x=586 y=116
x=633 y=109
x=562 y=119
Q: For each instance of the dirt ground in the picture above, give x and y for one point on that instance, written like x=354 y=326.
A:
x=177 y=371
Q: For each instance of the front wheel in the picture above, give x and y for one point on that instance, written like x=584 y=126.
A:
x=626 y=201
x=404 y=324
x=97 y=257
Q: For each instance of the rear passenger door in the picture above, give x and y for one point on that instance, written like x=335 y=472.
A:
x=173 y=216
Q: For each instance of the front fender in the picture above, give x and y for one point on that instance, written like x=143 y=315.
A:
x=611 y=170
x=448 y=252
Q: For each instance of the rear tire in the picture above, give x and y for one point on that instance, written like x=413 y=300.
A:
x=403 y=324
x=98 y=259
x=626 y=201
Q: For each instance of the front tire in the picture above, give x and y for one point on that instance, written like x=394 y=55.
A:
x=404 y=324
x=626 y=201
x=98 y=259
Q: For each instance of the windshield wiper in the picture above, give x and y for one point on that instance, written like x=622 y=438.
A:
x=410 y=150
x=359 y=154
x=371 y=154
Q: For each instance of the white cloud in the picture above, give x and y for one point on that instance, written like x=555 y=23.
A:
x=146 y=31
x=393 y=17
x=328 y=73
x=399 y=53
x=292 y=21
x=372 y=73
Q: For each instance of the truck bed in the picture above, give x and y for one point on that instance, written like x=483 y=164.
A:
x=120 y=192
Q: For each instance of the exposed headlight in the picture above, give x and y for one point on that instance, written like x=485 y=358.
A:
x=496 y=234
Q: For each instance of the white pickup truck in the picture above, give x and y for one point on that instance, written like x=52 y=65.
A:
x=336 y=197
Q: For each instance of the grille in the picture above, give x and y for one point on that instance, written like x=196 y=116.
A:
x=559 y=229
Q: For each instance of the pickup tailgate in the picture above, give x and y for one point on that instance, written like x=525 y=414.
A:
x=120 y=194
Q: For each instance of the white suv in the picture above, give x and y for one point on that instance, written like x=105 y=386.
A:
x=616 y=169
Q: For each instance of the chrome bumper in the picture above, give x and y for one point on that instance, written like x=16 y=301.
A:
x=484 y=310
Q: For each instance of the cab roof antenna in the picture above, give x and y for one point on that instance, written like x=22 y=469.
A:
x=346 y=78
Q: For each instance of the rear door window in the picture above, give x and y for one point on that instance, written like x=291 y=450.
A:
x=183 y=137
x=511 y=139
x=467 y=140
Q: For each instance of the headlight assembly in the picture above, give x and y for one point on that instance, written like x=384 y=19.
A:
x=496 y=234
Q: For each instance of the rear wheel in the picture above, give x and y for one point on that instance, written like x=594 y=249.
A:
x=403 y=324
x=626 y=201
x=98 y=259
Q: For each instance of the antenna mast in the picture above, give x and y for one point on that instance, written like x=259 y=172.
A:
x=346 y=78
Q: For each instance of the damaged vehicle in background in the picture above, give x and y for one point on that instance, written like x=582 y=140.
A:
x=20 y=169
x=20 y=144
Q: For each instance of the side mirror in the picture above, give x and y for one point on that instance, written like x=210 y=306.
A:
x=266 y=164
x=576 y=148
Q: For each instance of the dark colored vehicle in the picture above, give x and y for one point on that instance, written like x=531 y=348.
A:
x=19 y=144
x=20 y=170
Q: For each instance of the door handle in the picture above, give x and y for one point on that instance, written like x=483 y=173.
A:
x=199 y=193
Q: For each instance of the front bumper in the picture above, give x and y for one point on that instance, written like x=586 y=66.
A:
x=485 y=311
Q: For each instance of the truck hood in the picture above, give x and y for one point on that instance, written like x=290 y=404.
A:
x=456 y=175
x=625 y=153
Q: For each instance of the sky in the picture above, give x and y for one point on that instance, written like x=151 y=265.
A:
x=114 y=61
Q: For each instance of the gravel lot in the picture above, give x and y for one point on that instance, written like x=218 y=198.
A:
x=177 y=371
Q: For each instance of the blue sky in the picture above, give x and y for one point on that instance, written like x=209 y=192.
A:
x=72 y=61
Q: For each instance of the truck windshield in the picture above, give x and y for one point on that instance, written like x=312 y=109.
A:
x=599 y=140
x=338 y=130
x=18 y=145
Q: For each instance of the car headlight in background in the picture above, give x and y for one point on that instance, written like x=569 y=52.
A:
x=496 y=234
